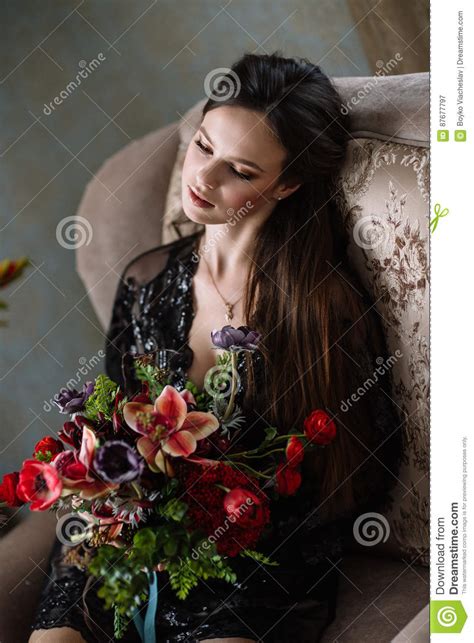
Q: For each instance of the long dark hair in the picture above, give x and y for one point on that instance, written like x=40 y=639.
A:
x=319 y=313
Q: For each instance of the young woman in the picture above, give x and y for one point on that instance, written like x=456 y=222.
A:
x=261 y=177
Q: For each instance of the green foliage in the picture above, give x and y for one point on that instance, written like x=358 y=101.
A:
x=45 y=456
x=203 y=399
x=124 y=584
x=102 y=399
x=260 y=558
x=186 y=572
x=169 y=489
x=271 y=433
x=156 y=378
x=174 y=509
x=225 y=359
x=236 y=420
x=120 y=624
x=125 y=573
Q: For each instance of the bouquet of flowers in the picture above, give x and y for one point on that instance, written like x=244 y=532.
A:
x=155 y=483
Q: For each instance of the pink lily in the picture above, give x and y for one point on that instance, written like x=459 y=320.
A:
x=167 y=427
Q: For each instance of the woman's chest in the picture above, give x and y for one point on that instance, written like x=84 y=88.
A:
x=209 y=315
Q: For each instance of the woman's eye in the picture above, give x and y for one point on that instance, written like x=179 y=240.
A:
x=206 y=150
x=202 y=147
x=244 y=177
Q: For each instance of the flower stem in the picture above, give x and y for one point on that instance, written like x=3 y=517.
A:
x=290 y=435
x=233 y=390
x=263 y=455
x=137 y=490
x=255 y=473
x=256 y=450
x=221 y=486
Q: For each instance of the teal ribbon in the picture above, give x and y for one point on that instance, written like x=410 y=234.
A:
x=146 y=627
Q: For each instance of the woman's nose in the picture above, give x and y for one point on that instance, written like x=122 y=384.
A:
x=207 y=176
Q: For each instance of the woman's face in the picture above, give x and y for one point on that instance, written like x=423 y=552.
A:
x=233 y=160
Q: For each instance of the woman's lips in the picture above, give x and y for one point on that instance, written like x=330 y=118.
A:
x=201 y=203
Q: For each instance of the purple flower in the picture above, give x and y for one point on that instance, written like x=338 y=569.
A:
x=116 y=461
x=72 y=401
x=233 y=339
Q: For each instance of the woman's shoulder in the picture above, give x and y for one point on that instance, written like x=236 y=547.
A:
x=150 y=264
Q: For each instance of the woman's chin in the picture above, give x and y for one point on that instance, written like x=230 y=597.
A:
x=198 y=215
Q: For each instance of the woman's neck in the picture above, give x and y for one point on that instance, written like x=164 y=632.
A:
x=228 y=251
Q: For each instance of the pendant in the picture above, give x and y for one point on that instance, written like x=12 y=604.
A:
x=229 y=314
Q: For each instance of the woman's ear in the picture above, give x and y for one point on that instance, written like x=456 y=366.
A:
x=285 y=189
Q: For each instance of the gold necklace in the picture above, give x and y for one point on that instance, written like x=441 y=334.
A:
x=228 y=306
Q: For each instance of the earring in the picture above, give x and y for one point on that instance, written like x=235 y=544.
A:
x=279 y=198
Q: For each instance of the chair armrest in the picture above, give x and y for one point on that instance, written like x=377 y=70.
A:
x=24 y=561
x=121 y=213
x=417 y=630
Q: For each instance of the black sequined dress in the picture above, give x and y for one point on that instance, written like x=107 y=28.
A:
x=293 y=602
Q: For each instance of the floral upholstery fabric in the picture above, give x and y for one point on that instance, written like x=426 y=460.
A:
x=386 y=204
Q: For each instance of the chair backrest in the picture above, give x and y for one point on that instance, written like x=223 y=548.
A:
x=385 y=207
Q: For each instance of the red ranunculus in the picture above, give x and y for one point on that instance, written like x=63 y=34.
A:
x=318 y=428
x=294 y=451
x=40 y=484
x=8 y=492
x=245 y=507
x=288 y=479
x=47 y=444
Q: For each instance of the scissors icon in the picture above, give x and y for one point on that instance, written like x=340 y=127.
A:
x=439 y=213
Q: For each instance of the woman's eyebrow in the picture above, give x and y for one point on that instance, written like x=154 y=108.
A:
x=249 y=163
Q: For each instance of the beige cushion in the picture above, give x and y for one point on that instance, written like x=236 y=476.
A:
x=123 y=206
x=377 y=601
